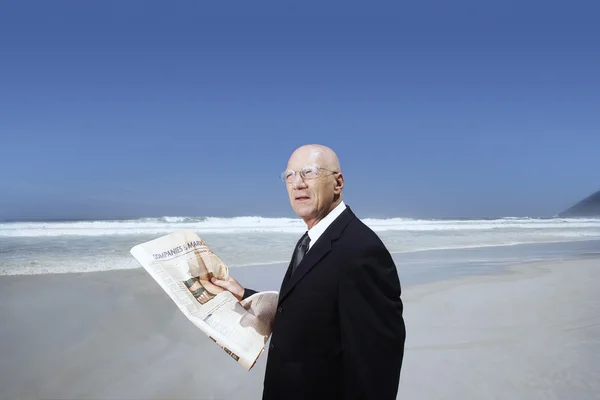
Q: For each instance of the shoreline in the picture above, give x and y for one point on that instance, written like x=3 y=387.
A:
x=397 y=255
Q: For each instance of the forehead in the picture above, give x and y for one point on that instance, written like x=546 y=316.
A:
x=305 y=157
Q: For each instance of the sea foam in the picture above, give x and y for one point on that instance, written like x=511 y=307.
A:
x=85 y=246
x=236 y=225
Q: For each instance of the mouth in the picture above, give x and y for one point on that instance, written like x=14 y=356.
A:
x=302 y=198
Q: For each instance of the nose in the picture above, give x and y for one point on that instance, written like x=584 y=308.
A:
x=297 y=181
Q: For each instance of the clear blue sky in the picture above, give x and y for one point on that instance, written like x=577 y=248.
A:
x=145 y=108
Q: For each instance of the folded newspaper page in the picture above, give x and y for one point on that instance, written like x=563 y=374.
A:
x=183 y=265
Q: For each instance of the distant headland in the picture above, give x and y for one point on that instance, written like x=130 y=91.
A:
x=588 y=207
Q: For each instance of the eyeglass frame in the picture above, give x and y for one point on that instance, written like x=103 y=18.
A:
x=282 y=176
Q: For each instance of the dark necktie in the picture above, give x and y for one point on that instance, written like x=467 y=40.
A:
x=300 y=251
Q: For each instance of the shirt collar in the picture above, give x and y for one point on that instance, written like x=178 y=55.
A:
x=316 y=231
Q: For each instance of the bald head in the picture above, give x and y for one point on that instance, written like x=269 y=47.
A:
x=315 y=193
x=318 y=154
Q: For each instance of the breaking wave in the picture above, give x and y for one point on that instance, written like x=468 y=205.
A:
x=236 y=225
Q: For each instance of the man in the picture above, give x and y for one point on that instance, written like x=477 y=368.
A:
x=339 y=331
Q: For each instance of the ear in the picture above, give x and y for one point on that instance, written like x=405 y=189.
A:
x=339 y=183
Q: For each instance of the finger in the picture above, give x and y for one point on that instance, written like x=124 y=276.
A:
x=220 y=282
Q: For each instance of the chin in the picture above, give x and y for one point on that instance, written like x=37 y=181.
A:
x=303 y=210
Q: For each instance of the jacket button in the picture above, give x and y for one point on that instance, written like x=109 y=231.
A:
x=271 y=346
x=279 y=310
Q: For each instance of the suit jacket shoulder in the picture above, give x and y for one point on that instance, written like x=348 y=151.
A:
x=358 y=241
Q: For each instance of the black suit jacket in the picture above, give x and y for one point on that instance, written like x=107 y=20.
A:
x=339 y=331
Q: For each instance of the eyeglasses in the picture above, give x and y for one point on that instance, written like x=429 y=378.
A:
x=308 y=172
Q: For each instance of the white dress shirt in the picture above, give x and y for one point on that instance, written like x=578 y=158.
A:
x=316 y=231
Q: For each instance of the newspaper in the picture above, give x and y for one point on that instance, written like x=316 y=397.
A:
x=183 y=265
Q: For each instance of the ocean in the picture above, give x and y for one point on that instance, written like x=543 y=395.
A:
x=82 y=246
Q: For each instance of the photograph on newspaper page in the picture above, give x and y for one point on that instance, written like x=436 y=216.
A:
x=183 y=265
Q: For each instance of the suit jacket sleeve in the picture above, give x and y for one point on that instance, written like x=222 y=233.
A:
x=372 y=325
x=248 y=293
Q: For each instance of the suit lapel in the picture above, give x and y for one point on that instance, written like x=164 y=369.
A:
x=319 y=250
x=287 y=275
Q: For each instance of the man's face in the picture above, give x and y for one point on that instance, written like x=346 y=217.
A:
x=311 y=198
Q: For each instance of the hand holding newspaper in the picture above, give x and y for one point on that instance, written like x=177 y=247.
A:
x=183 y=265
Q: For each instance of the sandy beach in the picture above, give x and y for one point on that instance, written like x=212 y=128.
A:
x=532 y=332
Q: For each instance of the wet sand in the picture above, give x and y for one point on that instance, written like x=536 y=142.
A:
x=531 y=333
